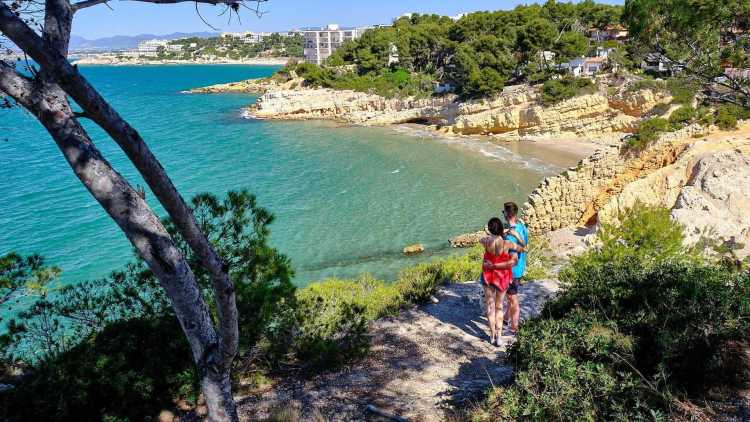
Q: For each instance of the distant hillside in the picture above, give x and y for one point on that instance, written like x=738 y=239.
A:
x=123 y=42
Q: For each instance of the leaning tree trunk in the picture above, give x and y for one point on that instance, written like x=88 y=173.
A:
x=140 y=224
x=213 y=352
x=96 y=108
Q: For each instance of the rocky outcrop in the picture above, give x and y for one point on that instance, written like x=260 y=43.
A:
x=467 y=240
x=587 y=114
x=577 y=196
x=515 y=112
x=349 y=106
x=248 y=86
x=715 y=202
x=638 y=103
x=414 y=249
x=703 y=181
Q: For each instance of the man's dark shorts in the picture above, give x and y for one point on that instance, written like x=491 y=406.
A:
x=514 y=285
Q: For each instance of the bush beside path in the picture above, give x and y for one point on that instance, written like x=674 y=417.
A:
x=422 y=363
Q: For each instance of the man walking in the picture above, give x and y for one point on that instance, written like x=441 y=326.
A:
x=518 y=234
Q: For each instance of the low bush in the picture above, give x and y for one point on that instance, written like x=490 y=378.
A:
x=575 y=368
x=681 y=315
x=556 y=90
x=682 y=116
x=647 y=132
x=640 y=322
x=651 y=84
x=128 y=371
x=682 y=90
x=727 y=116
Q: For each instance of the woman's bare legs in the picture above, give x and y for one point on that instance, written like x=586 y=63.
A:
x=514 y=311
x=499 y=298
x=489 y=299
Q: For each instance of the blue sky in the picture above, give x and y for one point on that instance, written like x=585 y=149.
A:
x=131 y=18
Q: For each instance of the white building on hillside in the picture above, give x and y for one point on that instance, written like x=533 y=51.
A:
x=321 y=43
x=584 y=66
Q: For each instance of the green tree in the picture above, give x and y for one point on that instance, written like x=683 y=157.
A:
x=698 y=38
x=570 y=45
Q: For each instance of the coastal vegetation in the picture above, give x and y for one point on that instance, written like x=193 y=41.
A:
x=556 y=90
x=701 y=39
x=642 y=326
x=273 y=45
x=78 y=345
x=476 y=55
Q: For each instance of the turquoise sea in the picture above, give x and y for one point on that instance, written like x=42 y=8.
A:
x=346 y=199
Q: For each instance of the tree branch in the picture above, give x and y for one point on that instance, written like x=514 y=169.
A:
x=87 y=3
x=15 y=85
x=136 y=149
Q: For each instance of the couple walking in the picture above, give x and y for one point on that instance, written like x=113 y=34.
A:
x=503 y=267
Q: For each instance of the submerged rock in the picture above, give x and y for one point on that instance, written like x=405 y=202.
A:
x=414 y=249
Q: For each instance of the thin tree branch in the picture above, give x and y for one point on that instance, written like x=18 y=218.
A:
x=87 y=3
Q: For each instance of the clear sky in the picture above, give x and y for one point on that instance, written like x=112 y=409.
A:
x=132 y=18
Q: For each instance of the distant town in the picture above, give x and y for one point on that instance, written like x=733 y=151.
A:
x=316 y=44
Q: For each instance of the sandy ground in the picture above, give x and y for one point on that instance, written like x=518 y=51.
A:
x=424 y=362
x=562 y=152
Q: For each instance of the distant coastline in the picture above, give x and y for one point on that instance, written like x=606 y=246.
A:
x=106 y=60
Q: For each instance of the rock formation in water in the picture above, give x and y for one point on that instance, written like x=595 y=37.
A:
x=514 y=112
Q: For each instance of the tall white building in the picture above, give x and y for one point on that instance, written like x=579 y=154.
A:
x=321 y=43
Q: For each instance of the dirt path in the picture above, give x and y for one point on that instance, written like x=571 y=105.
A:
x=422 y=362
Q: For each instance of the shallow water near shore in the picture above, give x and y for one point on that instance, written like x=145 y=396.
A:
x=346 y=199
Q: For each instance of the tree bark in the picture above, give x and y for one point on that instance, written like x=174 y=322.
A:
x=54 y=62
x=213 y=352
x=48 y=103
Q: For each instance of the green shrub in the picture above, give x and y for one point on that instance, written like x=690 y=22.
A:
x=556 y=90
x=680 y=314
x=682 y=115
x=726 y=119
x=375 y=297
x=682 y=90
x=575 y=368
x=129 y=371
x=704 y=115
x=639 y=322
x=646 y=233
x=647 y=132
x=727 y=116
x=651 y=84
x=329 y=332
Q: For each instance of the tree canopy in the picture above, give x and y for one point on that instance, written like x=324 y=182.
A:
x=481 y=52
x=701 y=38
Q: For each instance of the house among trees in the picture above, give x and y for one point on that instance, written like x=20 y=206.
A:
x=611 y=32
x=589 y=66
x=655 y=63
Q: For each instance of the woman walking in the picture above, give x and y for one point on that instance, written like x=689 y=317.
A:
x=496 y=276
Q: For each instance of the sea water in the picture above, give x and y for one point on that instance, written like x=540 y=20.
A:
x=346 y=199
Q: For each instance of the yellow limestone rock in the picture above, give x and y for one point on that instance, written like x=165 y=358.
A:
x=414 y=249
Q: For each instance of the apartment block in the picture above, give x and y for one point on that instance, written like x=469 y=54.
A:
x=321 y=43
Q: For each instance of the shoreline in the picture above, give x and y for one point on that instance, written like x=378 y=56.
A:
x=280 y=61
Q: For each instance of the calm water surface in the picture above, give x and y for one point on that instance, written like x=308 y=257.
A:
x=347 y=199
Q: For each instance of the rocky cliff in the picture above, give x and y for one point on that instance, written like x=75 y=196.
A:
x=514 y=112
x=576 y=197
x=248 y=86
x=349 y=106
x=702 y=180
